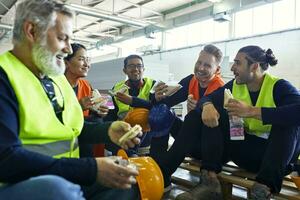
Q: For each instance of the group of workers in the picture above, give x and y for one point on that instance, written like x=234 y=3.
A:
x=47 y=117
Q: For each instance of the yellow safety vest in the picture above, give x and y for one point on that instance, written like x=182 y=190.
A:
x=40 y=129
x=143 y=94
x=265 y=99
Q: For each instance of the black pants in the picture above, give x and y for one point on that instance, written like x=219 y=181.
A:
x=86 y=149
x=159 y=145
x=186 y=143
x=269 y=158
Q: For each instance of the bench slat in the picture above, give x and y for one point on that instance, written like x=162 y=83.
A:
x=234 y=175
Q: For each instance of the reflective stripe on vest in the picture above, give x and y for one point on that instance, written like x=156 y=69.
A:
x=52 y=149
x=265 y=99
x=38 y=122
x=143 y=94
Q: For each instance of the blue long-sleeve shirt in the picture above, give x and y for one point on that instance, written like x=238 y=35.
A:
x=17 y=163
x=180 y=96
x=286 y=98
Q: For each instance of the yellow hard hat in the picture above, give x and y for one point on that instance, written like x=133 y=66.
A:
x=138 y=116
x=150 y=179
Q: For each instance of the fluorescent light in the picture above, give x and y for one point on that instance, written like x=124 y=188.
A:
x=215 y=1
x=6 y=26
x=100 y=14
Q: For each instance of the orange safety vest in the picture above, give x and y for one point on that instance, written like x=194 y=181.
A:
x=84 y=90
x=214 y=84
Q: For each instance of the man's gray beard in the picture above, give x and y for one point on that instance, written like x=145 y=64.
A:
x=45 y=60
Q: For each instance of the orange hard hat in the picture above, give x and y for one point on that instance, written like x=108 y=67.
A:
x=138 y=116
x=150 y=179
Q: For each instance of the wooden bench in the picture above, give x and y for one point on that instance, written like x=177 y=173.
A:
x=232 y=175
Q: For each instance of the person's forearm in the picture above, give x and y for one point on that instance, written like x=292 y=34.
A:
x=140 y=103
x=255 y=113
x=18 y=164
x=284 y=116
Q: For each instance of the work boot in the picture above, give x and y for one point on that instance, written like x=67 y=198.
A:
x=209 y=188
x=260 y=192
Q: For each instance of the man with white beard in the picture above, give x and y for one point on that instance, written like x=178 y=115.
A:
x=40 y=117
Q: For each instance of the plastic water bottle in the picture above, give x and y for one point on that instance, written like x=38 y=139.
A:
x=236 y=128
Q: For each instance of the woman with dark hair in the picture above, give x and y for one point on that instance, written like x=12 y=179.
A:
x=269 y=146
x=77 y=67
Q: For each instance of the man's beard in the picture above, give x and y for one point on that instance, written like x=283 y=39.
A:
x=46 y=61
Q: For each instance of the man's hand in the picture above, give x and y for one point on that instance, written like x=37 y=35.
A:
x=241 y=109
x=124 y=98
x=117 y=129
x=86 y=103
x=102 y=110
x=210 y=115
x=160 y=91
x=111 y=174
x=191 y=103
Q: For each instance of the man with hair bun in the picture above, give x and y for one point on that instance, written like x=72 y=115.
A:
x=270 y=145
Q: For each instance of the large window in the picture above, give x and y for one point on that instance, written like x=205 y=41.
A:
x=243 y=23
x=221 y=31
x=194 y=33
x=265 y=18
x=206 y=33
x=262 y=19
x=140 y=44
x=176 y=38
x=284 y=14
x=197 y=33
x=297 y=9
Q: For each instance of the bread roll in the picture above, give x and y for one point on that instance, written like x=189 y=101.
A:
x=132 y=133
x=227 y=96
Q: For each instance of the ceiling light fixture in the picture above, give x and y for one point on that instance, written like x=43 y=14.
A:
x=6 y=26
x=100 y=14
x=215 y=1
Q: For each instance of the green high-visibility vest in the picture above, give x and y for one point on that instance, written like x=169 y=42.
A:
x=143 y=94
x=40 y=129
x=265 y=99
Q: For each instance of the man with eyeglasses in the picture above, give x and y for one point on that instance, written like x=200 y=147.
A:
x=137 y=95
x=41 y=118
x=139 y=88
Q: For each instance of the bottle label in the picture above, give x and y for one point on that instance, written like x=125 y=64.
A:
x=236 y=128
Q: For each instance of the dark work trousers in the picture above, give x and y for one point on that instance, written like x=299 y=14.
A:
x=159 y=145
x=85 y=149
x=269 y=158
x=187 y=142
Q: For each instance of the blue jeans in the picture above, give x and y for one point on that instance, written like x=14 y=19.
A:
x=47 y=187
